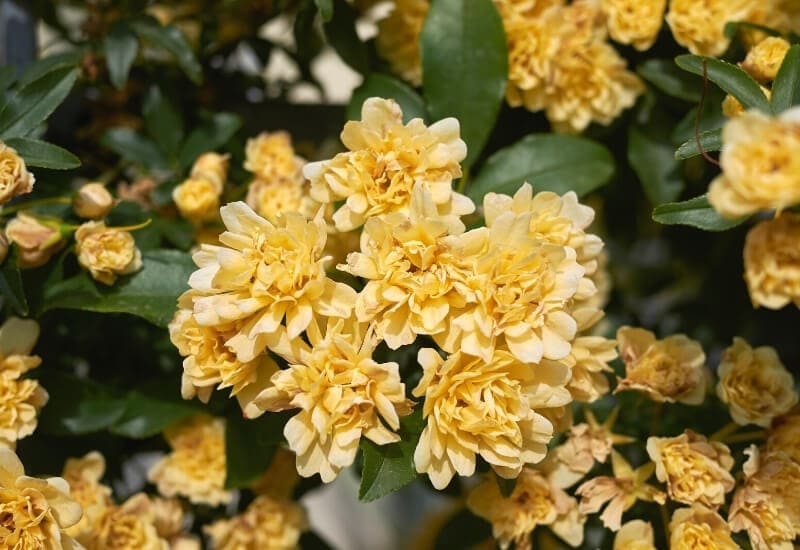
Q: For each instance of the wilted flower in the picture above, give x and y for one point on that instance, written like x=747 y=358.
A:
x=14 y=176
x=699 y=528
x=754 y=384
x=784 y=435
x=37 y=241
x=635 y=535
x=765 y=58
x=398 y=38
x=385 y=158
x=694 y=469
x=635 y=22
x=35 y=512
x=139 y=191
x=667 y=370
x=211 y=167
x=342 y=392
x=271 y=157
x=772 y=262
x=92 y=201
x=106 y=252
x=197 y=199
x=700 y=25
x=473 y=407
x=760 y=164
x=196 y=466
x=266 y=524
x=83 y=475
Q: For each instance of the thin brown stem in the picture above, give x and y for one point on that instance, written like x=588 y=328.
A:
x=706 y=156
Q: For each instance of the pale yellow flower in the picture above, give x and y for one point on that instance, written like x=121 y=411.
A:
x=765 y=58
x=123 y=528
x=398 y=38
x=34 y=512
x=694 y=469
x=732 y=108
x=271 y=157
x=262 y=274
x=83 y=475
x=754 y=384
x=772 y=262
x=784 y=435
x=620 y=491
x=17 y=339
x=197 y=199
x=266 y=524
x=534 y=501
x=270 y=198
x=343 y=394
x=667 y=370
x=699 y=24
x=211 y=167
x=699 y=528
x=36 y=241
x=106 y=252
x=196 y=466
x=473 y=407
x=14 y=176
x=635 y=534
x=760 y=164
x=92 y=201
x=634 y=22
x=385 y=158
x=589 y=358
x=167 y=516
x=280 y=478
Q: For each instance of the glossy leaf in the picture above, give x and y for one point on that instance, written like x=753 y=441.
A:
x=164 y=123
x=134 y=148
x=44 y=155
x=379 y=85
x=651 y=155
x=341 y=34
x=786 y=87
x=33 y=103
x=250 y=444
x=710 y=140
x=50 y=63
x=465 y=67
x=121 y=46
x=78 y=405
x=729 y=77
x=211 y=134
x=171 y=39
x=696 y=212
x=146 y=416
x=549 y=162
x=664 y=75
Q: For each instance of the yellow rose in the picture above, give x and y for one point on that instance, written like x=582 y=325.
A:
x=635 y=22
x=699 y=24
x=271 y=157
x=122 y=528
x=635 y=535
x=14 y=176
x=694 y=469
x=197 y=199
x=271 y=198
x=398 y=38
x=784 y=435
x=760 y=164
x=699 y=528
x=765 y=58
x=266 y=524
x=37 y=241
x=754 y=384
x=732 y=108
x=211 y=167
x=772 y=262
x=667 y=370
x=92 y=201
x=106 y=252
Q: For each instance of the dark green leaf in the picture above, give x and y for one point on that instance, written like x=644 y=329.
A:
x=121 y=47
x=729 y=77
x=652 y=157
x=786 y=88
x=35 y=102
x=150 y=293
x=164 y=123
x=549 y=162
x=341 y=34
x=145 y=416
x=379 y=85
x=8 y=75
x=171 y=39
x=134 y=148
x=11 y=283
x=732 y=27
x=463 y=530
x=465 y=67
x=307 y=39
x=710 y=140
x=664 y=75
x=46 y=65
x=77 y=405
x=250 y=444
x=210 y=135
x=43 y=154
x=387 y=468
x=325 y=9
x=696 y=212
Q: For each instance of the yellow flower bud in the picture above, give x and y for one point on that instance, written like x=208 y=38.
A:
x=14 y=176
x=92 y=201
x=764 y=60
x=106 y=252
x=212 y=167
x=37 y=241
x=197 y=200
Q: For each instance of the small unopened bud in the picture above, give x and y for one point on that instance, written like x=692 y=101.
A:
x=212 y=167
x=37 y=241
x=197 y=200
x=92 y=201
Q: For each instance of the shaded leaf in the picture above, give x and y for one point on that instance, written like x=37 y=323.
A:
x=710 y=140
x=164 y=123
x=11 y=283
x=250 y=445
x=664 y=75
x=44 y=155
x=77 y=405
x=786 y=87
x=210 y=135
x=696 y=212
x=379 y=85
x=33 y=103
x=50 y=63
x=465 y=67
x=145 y=416
x=732 y=27
x=341 y=34
x=171 y=39
x=729 y=77
x=134 y=148
x=651 y=155
x=325 y=9
x=121 y=47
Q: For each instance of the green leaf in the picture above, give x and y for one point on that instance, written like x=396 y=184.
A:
x=210 y=135
x=710 y=140
x=8 y=74
x=250 y=444
x=664 y=75
x=387 y=468
x=732 y=27
x=145 y=416
x=134 y=148
x=46 y=65
x=549 y=162
x=164 y=123
x=171 y=39
x=729 y=77
x=379 y=85
x=651 y=155
x=35 y=102
x=150 y=293
x=11 y=283
x=44 y=155
x=77 y=405
x=465 y=67
x=325 y=9
x=121 y=47
x=786 y=88
x=341 y=34
x=696 y=212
